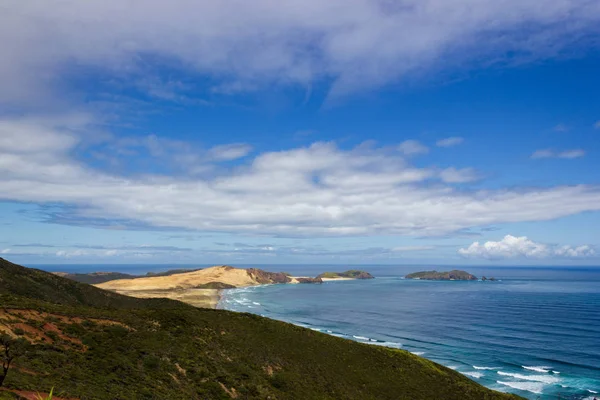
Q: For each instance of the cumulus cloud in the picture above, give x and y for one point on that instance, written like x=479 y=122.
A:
x=449 y=142
x=249 y=44
x=5 y=251
x=511 y=247
x=566 y=154
x=315 y=190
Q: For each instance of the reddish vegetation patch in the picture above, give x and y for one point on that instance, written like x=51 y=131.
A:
x=13 y=320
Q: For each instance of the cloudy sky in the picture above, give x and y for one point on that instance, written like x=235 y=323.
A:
x=355 y=131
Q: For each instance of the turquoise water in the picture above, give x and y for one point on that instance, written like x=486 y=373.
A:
x=535 y=333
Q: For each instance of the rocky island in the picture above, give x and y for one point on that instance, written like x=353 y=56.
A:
x=454 y=275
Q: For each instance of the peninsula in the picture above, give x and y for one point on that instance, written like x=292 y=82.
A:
x=201 y=288
x=454 y=275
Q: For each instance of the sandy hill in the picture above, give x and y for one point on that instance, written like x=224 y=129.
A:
x=199 y=288
x=198 y=279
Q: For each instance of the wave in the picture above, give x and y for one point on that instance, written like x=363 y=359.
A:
x=591 y=391
x=418 y=353
x=366 y=339
x=486 y=368
x=537 y=369
x=255 y=303
x=547 y=379
x=473 y=374
x=556 y=372
x=532 y=387
x=387 y=344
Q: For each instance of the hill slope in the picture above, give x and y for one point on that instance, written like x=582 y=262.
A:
x=91 y=344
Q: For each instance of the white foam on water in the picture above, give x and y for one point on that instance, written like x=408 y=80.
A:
x=591 y=391
x=536 y=378
x=316 y=329
x=255 y=303
x=452 y=366
x=533 y=387
x=360 y=338
x=476 y=375
x=387 y=344
x=486 y=368
x=555 y=372
x=537 y=369
x=418 y=353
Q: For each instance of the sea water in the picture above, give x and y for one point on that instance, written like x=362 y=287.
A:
x=534 y=332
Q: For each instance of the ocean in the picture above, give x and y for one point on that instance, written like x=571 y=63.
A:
x=534 y=332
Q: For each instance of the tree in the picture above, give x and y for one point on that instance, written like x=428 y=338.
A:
x=9 y=348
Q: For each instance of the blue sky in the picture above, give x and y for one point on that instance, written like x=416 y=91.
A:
x=436 y=132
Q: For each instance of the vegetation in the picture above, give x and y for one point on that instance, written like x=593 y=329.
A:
x=353 y=273
x=107 y=346
x=454 y=275
x=95 y=278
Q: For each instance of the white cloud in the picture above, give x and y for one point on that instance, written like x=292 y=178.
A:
x=566 y=154
x=453 y=175
x=412 y=147
x=230 y=151
x=403 y=249
x=249 y=44
x=308 y=191
x=511 y=247
x=5 y=251
x=449 y=142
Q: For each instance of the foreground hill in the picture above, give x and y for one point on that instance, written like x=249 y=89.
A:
x=454 y=275
x=88 y=343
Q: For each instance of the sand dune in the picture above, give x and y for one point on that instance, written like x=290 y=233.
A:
x=190 y=287
x=224 y=274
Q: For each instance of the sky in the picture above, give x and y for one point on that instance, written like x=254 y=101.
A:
x=441 y=132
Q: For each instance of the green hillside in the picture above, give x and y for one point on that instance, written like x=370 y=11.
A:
x=92 y=344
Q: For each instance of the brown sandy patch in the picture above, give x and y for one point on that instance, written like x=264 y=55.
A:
x=232 y=276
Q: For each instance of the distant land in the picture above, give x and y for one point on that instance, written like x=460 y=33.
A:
x=351 y=274
x=201 y=288
x=87 y=343
x=454 y=275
